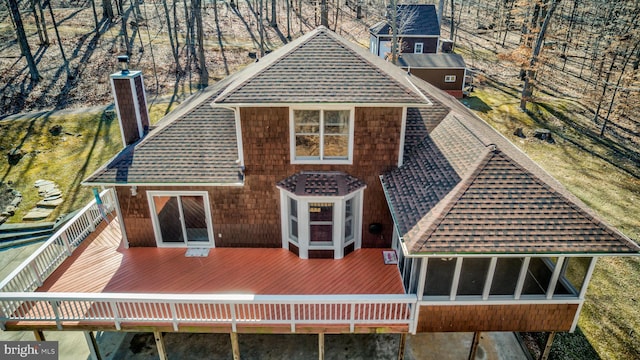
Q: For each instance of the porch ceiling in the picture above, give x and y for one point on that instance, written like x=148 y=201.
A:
x=103 y=265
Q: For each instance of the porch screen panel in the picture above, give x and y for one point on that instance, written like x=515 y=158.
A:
x=168 y=212
x=473 y=276
x=440 y=273
x=538 y=277
x=195 y=220
x=575 y=273
x=505 y=277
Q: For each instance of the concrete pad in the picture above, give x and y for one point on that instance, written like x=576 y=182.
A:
x=456 y=346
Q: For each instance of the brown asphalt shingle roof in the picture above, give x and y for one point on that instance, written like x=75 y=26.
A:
x=195 y=144
x=464 y=188
x=321 y=183
x=321 y=67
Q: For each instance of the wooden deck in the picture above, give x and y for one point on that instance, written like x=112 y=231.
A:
x=103 y=265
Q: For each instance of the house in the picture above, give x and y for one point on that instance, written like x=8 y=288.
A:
x=446 y=71
x=318 y=190
x=418 y=31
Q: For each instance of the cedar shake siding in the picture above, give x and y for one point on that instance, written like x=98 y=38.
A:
x=468 y=318
x=249 y=215
x=127 y=110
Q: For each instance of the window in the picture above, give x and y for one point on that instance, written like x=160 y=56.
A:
x=418 y=48
x=449 y=78
x=293 y=220
x=322 y=223
x=322 y=136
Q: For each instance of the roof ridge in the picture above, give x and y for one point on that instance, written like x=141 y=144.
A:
x=263 y=65
x=437 y=214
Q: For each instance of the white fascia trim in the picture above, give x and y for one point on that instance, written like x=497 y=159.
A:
x=498 y=302
x=403 y=130
x=435 y=67
x=532 y=255
x=413 y=36
x=319 y=105
x=161 y=184
x=136 y=106
x=236 y=111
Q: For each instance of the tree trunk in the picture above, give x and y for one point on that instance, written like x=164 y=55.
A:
x=95 y=16
x=324 y=13
x=174 y=48
x=64 y=57
x=38 y=24
x=394 y=30
x=203 y=73
x=452 y=28
x=527 y=89
x=22 y=40
x=107 y=9
x=274 y=19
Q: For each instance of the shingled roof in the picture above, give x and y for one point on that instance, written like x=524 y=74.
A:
x=321 y=67
x=424 y=21
x=465 y=189
x=195 y=144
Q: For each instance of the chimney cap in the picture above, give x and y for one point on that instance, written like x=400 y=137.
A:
x=123 y=60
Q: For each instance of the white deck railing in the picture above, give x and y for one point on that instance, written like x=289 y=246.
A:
x=103 y=310
x=19 y=302
x=44 y=261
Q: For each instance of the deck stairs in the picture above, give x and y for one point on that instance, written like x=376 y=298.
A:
x=14 y=235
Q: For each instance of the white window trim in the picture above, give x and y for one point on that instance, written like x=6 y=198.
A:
x=156 y=225
x=292 y=136
x=338 y=222
x=415 y=48
x=450 y=78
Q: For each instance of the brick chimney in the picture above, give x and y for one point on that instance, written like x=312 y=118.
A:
x=131 y=102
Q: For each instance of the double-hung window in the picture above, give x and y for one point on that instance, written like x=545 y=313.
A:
x=418 y=48
x=321 y=136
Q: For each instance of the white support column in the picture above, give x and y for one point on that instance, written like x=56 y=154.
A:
x=284 y=219
x=338 y=230
x=123 y=231
x=303 y=229
x=522 y=277
x=587 y=277
x=162 y=352
x=554 y=278
x=94 y=352
x=456 y=279
x=423 y=278
x=489 y=280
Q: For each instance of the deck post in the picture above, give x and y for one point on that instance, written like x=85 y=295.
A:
x=321 y=346
x=94 y=351
x=402 y=345
x=39 y=335
x=547 y=346
x=162 y=352
x=235 y=347
x=474 y=345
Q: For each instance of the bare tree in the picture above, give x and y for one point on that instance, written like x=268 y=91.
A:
x=527 y=88
x=22 y=40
